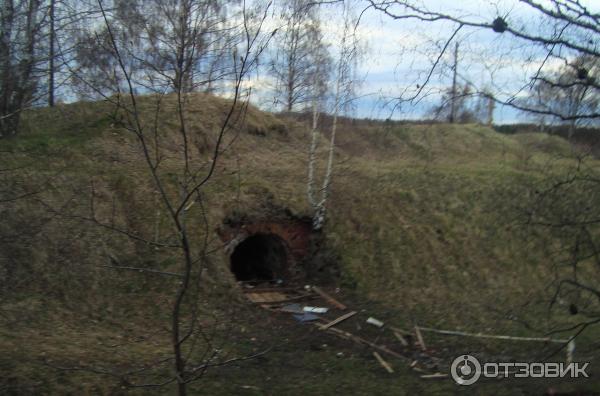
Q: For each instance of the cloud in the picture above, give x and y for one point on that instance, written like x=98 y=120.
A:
x=400 y=54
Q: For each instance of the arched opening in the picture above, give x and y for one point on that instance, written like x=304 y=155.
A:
x=259 y=257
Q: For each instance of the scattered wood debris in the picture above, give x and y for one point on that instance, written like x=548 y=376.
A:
x=385 y=364
x=414 y=366
x=265 y=297
x=434 y=376
x=420 y=338
x=500 y=337
x=277 y=299
x=292 y=308
x=328 y=298
x=360 y=340
x=256 y=289
x=338 y=320
x=289 y=300
x=252 y=387
x=401 y=338
x=274 y=297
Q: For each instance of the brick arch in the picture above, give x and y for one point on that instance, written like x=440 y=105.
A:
x=294 y=234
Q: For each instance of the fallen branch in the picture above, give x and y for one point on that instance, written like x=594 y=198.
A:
x=499 y=337
x=420 y=338
x=385 y=364
x=328 y=298
x=570 y=342
x=338 y=320
x=401 y=339
x=360 y=340
x=434 y=376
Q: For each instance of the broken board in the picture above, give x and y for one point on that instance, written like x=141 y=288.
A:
x=267 y=297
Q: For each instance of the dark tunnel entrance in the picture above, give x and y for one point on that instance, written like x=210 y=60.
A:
x=259 y=257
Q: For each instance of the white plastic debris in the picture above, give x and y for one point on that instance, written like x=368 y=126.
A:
x=570 y=350
x=315 y=309
x=375 y=322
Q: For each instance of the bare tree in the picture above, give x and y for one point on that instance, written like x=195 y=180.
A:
x=345 y=81
x=454 y=89
x=51 y=52
x=21 y=24
x=564 y=206
x=567 y=92
x=294 y=64
x=171 y=68
x=186 y=44
x=35 y=43
x=559 y=30
x=456 y=105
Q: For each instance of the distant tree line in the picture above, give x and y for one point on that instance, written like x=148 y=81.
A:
x=565 y=205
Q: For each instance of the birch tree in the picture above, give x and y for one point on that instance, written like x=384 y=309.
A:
x=295 y=62
x=344 y=82
x=320 y=83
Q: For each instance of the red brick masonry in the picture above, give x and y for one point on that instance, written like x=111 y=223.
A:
x=295 y=233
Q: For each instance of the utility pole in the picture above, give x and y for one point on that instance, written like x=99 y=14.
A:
x=491 y=105
x=454 y=90
x=51 y=56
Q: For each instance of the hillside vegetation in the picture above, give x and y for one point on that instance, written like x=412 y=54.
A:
x=426 y=225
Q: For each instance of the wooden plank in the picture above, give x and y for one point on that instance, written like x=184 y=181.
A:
x=281 y=300
x=295 y=298
x=338 y=320
x=290 y=310
x=270 y=289
x=328 y=298
x=499 y=337
x=266 y=297
x=401 y=339
x=434 y=376
x=385 y=364
x=420 y=338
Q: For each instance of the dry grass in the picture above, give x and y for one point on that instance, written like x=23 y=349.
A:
x=425 y=220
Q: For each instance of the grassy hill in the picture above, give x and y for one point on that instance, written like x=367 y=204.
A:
x=426 y=225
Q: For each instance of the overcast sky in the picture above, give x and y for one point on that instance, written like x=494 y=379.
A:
x=400 y=53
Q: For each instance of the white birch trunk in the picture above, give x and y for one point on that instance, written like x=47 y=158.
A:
x=347 y=52
x=312 y=155
x=319 y=215
x=320 y=209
